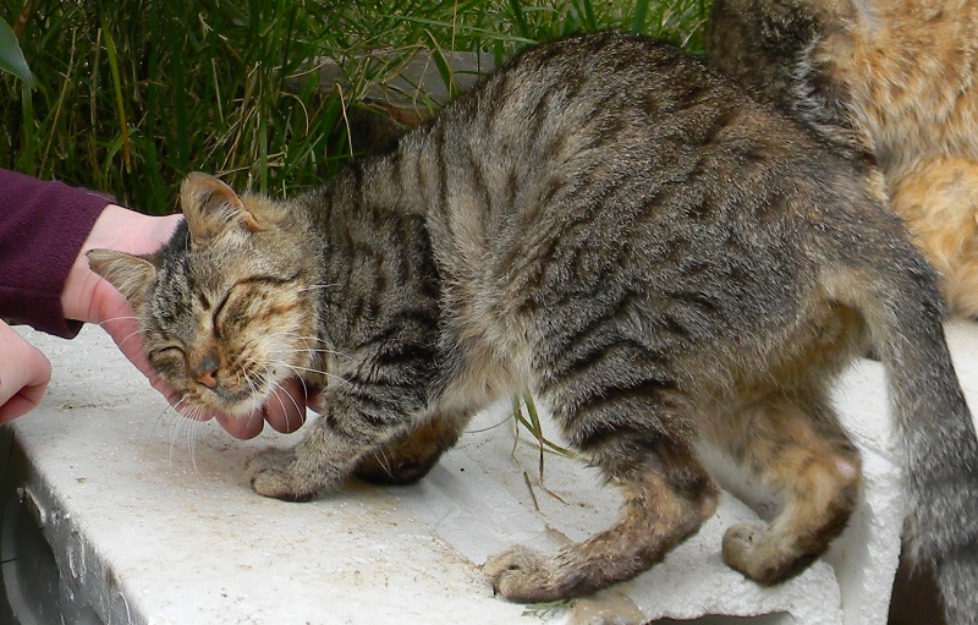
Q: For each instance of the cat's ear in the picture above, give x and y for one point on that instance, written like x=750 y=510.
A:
x=211 y=207
x=130 y=275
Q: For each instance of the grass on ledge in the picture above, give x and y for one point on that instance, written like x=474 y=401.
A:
x=134 y=94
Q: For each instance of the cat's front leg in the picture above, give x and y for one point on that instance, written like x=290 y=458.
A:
x=319 y=463
x=331 y=449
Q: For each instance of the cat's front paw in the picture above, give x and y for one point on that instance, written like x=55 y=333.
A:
x=272 y=474
x=521 y=574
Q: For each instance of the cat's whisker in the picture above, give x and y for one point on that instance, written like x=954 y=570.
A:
x=303 y=337
x=160 y=421
x=310 y=351
x=285 y=411
x=310 y=339
x=187 y=427
x=317 y=350
x=187 y=409
x=298 y=409
x=181 y=410
x=122 y=341
x=256 y=387
x=385 y=461
x=122 y=318
x=187 y=413
x=252 y=385
x=193 y=432
x=301 y=371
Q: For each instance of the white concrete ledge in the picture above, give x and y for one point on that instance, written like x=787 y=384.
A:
x=153 y=522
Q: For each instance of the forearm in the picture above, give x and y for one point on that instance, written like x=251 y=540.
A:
x=43 y=226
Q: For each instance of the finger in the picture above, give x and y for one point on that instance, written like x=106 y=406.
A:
x=316 y=400
x=285 y=409
x=241 y=427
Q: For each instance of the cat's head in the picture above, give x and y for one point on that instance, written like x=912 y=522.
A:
x=229 y=308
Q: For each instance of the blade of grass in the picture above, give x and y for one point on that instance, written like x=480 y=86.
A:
x=59 y=106
x=532 y=423
x=12 y=57
x=27 y=162
x=181 y=117
x=524 y=28
x=117 y=89
x=589 y=19
x=445 y=71
x=639 y=15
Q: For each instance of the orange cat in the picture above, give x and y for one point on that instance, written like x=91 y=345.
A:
x=897 y=77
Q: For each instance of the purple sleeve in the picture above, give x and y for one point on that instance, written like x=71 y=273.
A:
x=42 y=228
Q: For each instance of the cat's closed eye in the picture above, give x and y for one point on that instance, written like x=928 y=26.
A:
x=170 y=351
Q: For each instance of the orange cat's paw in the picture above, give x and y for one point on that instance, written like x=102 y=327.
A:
x=521 y=574
x=270 y=476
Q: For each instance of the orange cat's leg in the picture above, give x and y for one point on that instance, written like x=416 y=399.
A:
x=796 y=446
x=666 y=498
x=939 y=200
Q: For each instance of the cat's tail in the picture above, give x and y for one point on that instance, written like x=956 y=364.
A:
x=904 y=314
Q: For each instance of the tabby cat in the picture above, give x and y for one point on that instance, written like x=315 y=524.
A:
x=897 y=77
x=668 y=264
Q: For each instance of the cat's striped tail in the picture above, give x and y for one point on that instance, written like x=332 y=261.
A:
x=904 y=313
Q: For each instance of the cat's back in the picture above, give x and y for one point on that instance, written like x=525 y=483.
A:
x=603 y=164
x=610 y=121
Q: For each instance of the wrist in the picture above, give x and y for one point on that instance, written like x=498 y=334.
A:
x=116 y=228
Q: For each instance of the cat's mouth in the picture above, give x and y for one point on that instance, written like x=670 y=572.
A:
x=232 y=402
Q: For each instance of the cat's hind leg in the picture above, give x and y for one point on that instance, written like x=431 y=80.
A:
x=796 y=445
x=411 y=456
x=667 y=495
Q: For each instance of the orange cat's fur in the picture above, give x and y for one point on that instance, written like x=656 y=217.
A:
x=906 y=72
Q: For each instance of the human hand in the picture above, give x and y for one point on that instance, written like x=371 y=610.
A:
x=24 y=374
x=88 y=297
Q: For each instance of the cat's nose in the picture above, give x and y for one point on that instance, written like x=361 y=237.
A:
x=205 y=371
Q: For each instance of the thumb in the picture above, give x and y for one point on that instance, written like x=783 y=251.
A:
x=24 y=375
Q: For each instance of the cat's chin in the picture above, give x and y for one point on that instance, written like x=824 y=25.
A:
x=246 y=407
x=195 y=405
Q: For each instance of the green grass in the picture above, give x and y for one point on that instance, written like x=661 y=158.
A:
x=131 y=95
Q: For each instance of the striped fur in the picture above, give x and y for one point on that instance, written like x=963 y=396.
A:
x=666 y=263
